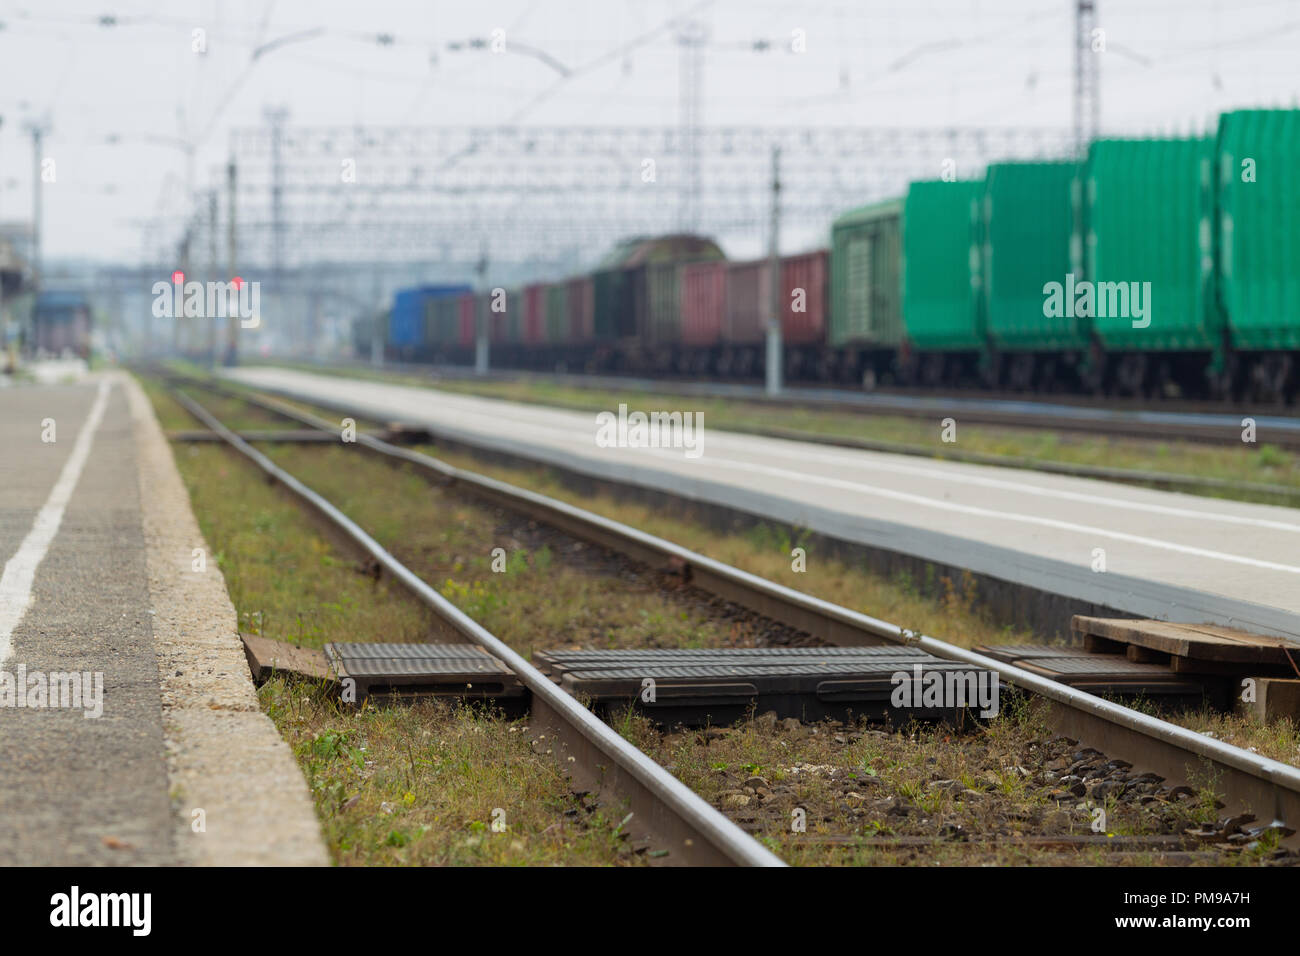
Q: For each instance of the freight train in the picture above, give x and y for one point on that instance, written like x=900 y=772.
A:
x=1153 y=267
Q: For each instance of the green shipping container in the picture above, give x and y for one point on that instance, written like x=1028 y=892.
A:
x=557 y=313
x=514 y=316
x=1026 y=224
x=444 y=320
x=663 y=303
x=614 y=304
x=865 y=276
x=1258 y=238
x=1143 y=216
x=941 y=266
x=428 y=324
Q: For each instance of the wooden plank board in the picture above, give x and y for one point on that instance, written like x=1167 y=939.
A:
x=266 y=656
x=1013 y=653
x=1191 y=665
x=1145 y=655
x=1114 y=674
x=1208 y=642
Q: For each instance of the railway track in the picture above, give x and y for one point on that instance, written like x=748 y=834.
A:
x=601 y=759
x=1270 y=788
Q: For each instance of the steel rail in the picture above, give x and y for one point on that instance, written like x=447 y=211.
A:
x=694 y=831
x=1266 y=786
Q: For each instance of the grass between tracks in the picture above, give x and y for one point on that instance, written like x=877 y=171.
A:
x=860 y=793
x=954 y=614
x=234 y=414
x=551 y=596
x=955 y=617
x=392 y=786
x=1259 y=463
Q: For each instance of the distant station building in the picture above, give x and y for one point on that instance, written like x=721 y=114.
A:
x=61 y=324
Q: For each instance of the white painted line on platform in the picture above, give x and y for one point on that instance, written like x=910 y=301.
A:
x=939 y=474
x=1001 y=515
x=469 y=410
x=20 y=570
x=739 y=442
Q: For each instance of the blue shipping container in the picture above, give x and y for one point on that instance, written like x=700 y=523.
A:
x=406 y=321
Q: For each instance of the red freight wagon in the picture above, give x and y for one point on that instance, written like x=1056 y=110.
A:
x=746 y=286
x=582 y=309
x=704 y=302
x=468 y=303
x=534 y=324
x=807 y=272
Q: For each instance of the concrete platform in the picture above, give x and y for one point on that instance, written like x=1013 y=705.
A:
x=1167 y=555
x=148 y=713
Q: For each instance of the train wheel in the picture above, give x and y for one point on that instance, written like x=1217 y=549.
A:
x=1130 y=374
x=990 y=369
x=932 y=369
x=1094 y=376
x=1269 y=378
x=1020 y=373
x=1221 y=385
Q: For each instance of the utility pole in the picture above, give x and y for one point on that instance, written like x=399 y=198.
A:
x=38 y=133
x=376 y=320
x=1087 y=77
x=232 y=321
x=6 y=359
x=214 y=275
x=37 y=129
x=691 y=37
x=482 y=317
x=774 y=344
x=178 y=308
x=276 y=118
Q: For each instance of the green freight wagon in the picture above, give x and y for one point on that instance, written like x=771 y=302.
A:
x=514 y=316
x=443 y=322
x=428 y=325
x=866 y=324
x=663 y=304
x=1145 y=218
x=941 y=266
x=614 y=304
x=1026 y=224
x=1258 y=197
x=865 y=300
x=557 y=313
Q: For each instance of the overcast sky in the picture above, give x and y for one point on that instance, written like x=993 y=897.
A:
x=1170 y=65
